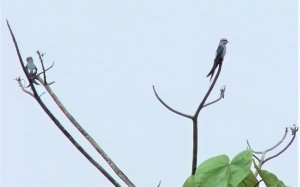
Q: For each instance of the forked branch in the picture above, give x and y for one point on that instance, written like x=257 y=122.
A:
x=54 y=119
x=262 y=159
x=194 y=117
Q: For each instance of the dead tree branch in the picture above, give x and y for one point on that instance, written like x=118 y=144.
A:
x=56 y=122
x=168 y=107
x=19 y=80
x=86 y=135
x=222 y=95
x=194 y=117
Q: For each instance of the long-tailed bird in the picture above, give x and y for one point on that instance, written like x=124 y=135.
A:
x=220 y=53
x=31 y=69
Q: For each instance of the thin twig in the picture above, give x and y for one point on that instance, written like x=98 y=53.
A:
x=291 y=141
x=41 y=60
x=44 y=71
x=222 y=95
x=263 y=160
x=273 y=147
x=18 y=79
x=57 y=123
x=168 y=107
x=283 y=138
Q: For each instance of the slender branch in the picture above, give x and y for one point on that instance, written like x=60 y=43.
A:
x=273 y=147
x=252 y=152
x=291 y=141
x=168 y=107
x=194 y=118
x=57 y=123
x=18 y=79
x=256 y=157
x=44 y=71
x=208 y=92
x=40 y=57
x=263 y=160
x=195 y=121
x=222 y=95
x=21 y=61
x=283 y=138
x=86 y=135
x=159 y=183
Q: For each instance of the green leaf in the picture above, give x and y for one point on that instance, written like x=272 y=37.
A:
x=241 y=165
x=249 y=181
x=269 y=178
x=218 y=171
x=189 y=182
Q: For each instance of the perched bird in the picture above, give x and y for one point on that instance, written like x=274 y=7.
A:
x=31 y=69
x=220 y=53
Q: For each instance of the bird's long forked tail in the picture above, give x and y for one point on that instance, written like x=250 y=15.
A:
x=213 y=69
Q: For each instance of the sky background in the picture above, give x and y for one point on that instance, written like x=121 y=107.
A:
x=107 y=56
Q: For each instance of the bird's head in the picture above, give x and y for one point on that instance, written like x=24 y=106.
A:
x=224 y=41
x=29 y=59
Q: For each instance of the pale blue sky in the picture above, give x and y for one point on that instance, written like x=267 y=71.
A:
x=108 y=54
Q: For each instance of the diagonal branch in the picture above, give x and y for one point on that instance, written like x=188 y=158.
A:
x=56 y=122
x=86 y=135
x=170 y=108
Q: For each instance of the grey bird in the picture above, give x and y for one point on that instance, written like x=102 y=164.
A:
x=31 y=69
x=220 y=53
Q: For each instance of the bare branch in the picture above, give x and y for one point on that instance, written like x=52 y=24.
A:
x=45 y=70
x=41 y=60
x=195 y=121
x=42 y=63
x=21 y=61
x=159 y=183
x=194 y=118
x=208 y=92
x=222 y=95
x=168 y=107
x=276 y=145
x=18 y=79
x=86 y=135
x=294 y=133
x=283 y=138
x=256 y=157
x=262 y=160
x=253 y=152
x=56 y=122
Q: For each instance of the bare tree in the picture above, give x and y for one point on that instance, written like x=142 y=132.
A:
x=194 y=117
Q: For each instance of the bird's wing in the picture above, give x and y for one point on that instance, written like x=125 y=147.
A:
x=27 y=68
x=34 y=71
x=219 y=51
